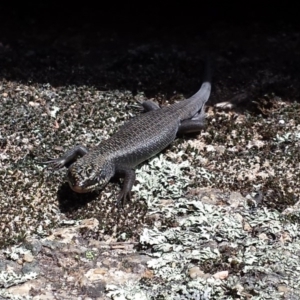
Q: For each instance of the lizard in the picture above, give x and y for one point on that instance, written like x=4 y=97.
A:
x=137 y=140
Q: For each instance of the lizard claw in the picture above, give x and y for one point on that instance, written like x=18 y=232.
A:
x=56 y=163
x=123 y=198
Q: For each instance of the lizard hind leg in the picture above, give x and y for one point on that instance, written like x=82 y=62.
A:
x=194 y=124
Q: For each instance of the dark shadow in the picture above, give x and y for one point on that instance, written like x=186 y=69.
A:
x=70 y=201
x=94 y=204
x=145 y=48
x=111 y=218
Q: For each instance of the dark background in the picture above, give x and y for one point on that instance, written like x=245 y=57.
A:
x=124 y=14
x=104 y=44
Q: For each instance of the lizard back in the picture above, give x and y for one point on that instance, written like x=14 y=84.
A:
x=140 y=138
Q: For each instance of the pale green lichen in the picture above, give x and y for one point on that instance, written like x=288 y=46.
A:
x=272 y=254
x=10 y=278
x=15 y=252
x=161 y=178
x=6 y=295
x=129 y=291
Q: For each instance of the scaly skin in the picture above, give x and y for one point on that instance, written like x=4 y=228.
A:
x=136 y=141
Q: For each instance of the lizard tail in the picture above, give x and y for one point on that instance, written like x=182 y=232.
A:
x=203 y=94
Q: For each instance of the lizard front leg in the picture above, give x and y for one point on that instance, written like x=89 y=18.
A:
x=69 y=157
x=129 y=179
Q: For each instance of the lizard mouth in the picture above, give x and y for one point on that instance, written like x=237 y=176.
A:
x=83 y=188
x=78 y=185
x=79 y=189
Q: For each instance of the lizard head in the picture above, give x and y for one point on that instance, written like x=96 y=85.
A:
x=85 y=177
